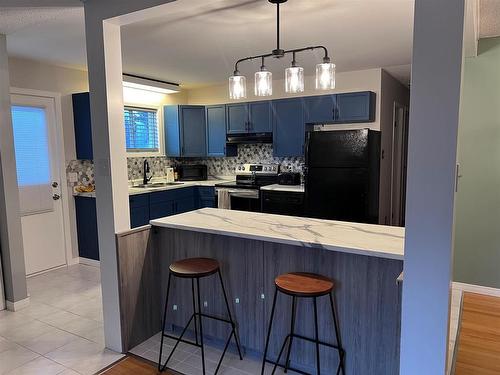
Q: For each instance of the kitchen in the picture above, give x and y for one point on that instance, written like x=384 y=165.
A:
x=282 y=156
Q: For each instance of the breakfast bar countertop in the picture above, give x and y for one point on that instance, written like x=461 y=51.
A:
x=355 y=238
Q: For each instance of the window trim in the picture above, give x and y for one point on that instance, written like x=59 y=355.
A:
x=161 y=142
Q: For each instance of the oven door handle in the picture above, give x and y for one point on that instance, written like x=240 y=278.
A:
x=244 y=194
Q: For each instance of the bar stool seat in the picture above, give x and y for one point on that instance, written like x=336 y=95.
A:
x=304 y=284
x=194 y=267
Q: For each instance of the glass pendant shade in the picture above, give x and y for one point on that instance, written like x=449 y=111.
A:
x=263 y=83
x=294 y=79
x=325 y=76
x=237 y=87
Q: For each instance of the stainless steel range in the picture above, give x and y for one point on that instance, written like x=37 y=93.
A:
x=245 y=191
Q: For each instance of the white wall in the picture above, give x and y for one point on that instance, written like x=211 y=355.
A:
x=29 y=74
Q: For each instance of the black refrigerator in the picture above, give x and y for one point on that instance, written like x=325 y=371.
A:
x=342 y=175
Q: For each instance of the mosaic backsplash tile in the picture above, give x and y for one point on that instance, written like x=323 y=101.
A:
x=258 y=153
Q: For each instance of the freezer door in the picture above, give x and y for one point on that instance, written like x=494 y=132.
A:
x=340 y=148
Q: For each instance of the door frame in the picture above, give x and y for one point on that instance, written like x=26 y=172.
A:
x=61 y=165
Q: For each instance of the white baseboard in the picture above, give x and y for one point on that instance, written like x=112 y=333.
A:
x=73 y=261
x=18 y=305
x=494 y=292
x=89 y=262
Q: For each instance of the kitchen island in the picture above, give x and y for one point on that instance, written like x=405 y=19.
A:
x=253 y=248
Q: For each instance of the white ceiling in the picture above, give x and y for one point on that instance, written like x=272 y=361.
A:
x=198 y=42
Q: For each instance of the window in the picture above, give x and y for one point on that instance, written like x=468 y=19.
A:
x=141 y=130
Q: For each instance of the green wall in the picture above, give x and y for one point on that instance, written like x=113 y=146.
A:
x=477 y=225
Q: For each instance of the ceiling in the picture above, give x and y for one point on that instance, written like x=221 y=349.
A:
x=198 y=41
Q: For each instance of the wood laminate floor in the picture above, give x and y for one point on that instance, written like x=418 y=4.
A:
x=479 y=340
x=135 y=366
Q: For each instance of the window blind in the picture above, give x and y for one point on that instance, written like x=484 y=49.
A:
x=141 y=130
x=31 y=145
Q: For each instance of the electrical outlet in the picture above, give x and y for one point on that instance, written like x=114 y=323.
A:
x=262 y=296
x=205 y=303
x=237 y=300
x=73 y=177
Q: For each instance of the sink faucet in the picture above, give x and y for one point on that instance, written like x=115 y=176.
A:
x=145 y=178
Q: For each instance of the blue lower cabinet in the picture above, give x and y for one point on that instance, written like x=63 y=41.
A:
x=86 y=226
x=205 y=197
x=185 y=205
x=139 y=210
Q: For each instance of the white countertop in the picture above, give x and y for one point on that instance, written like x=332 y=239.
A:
x=287 y=188
x=363 y=239
x=212 y=181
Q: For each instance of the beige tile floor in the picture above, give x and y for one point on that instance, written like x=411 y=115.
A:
x=61 y=332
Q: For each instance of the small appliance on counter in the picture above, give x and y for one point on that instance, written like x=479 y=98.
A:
x=289 y=178
x=169 y=174
x=192 y=172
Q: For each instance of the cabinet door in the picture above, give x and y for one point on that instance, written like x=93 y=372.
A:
x=86 y=226
x=184 y=205
x=288 y=127
x=83 y=126
x=172 y=130
x=237 y=118
x=260 y=120
x=355 y=107
x=193 y=127
x=320 y=108
x=216 y=130
x=161 y=209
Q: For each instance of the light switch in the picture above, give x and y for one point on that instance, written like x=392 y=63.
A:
x=262 y=296
x=237 y=300
x=205 y=303
x=174 y=308
x=72 y=177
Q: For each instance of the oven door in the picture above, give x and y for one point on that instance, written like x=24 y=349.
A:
x=245 y=200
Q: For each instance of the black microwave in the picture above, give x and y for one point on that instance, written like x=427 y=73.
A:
x=193 y=172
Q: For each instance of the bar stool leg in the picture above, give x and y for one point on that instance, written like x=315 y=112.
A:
x=269 y=331
x=318 y=366
x=236 y=337
x=201 y=326
x=294 y=307
x=337 y=334
x=164 y=322
x=194 y=312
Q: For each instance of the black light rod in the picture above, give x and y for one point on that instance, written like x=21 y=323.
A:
x=297 y=50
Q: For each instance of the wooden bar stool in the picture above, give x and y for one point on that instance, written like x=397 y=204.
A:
x=303 y=285
x=195 y=269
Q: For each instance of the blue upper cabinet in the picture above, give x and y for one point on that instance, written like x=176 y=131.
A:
x=288 y=127
x=193 y=127
x=83 y=126
x=355 y=107
x=185 y=131
x=237 y=118
x=216 y=130
x=320 y=108
x=260 y=119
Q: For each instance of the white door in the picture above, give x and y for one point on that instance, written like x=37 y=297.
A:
x=34 y=123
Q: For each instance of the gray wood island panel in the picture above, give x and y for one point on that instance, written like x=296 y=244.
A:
x=367 y=295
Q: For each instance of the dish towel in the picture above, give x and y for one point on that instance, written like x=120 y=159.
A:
x=224 y=199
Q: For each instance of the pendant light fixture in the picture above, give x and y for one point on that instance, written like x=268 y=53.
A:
x=294 y=78
x=294 y=75
x=263 y=81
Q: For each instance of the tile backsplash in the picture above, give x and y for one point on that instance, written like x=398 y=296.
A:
x=256 y=153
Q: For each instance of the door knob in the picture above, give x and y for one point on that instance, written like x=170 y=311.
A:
x=56 y=197
x=55 y=184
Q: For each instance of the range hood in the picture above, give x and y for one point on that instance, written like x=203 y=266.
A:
x=249 y=138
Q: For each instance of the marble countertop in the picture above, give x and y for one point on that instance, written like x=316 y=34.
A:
x=287 y=188
x=212 y=181
x=363 y=239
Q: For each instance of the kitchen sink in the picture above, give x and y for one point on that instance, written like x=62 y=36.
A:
x=157 y=185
